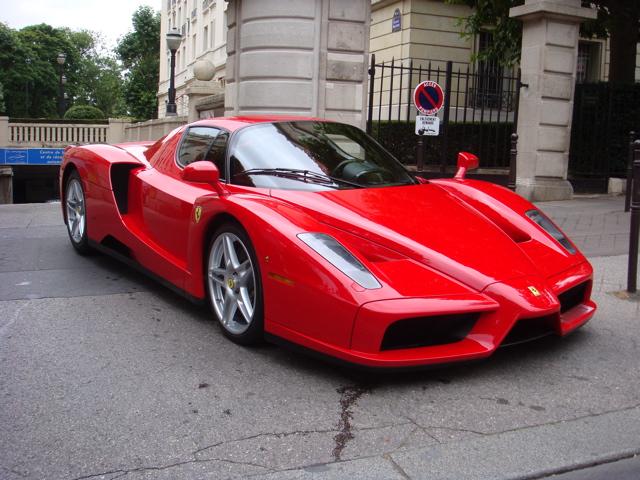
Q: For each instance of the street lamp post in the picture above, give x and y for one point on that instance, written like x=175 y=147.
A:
x=26 y=88
x=61 y=59
x=173 y=43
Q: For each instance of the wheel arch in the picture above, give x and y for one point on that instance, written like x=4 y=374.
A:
x=213 y=224
x=69 y=168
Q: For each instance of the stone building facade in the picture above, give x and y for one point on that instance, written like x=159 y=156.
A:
x=422 y=30
x=203 y=25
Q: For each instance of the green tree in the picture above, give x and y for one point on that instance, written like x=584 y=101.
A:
x=139 y=52
x=30 y=73
x=2 y=107
x=617 y=19
x=28 y=69
x=99 y=81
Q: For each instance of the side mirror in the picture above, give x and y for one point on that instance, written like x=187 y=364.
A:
x=466 y=161
x=201 y=172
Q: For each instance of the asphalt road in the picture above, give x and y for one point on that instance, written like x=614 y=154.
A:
x=105 y=374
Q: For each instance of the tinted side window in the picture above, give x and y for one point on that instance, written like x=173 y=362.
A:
x=204 y=143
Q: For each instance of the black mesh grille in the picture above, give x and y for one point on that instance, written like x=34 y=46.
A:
x=528 y=329
x=428 y=331
x=573 y=297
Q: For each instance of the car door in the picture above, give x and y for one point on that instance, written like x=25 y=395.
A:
x=166 y=201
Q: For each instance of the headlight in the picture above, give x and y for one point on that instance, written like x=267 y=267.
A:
x=548 y=226
x=338 y=256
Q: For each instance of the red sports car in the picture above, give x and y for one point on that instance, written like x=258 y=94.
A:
x=309 y=232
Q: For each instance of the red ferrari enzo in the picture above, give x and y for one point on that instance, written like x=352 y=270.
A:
x=308 y=231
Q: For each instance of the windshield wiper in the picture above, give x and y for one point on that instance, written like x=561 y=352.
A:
x=299 y=174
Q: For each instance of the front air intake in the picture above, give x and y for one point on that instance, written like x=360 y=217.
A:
x=573 y=297
x=528 y=329
x=428 y=331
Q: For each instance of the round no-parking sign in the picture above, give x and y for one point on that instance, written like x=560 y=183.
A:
x=428 y=97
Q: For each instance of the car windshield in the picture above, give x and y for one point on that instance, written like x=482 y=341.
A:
x=311 y=155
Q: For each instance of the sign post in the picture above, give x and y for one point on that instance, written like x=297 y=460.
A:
x=428 y=97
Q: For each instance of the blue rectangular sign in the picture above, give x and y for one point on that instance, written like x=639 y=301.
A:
x=31 y=156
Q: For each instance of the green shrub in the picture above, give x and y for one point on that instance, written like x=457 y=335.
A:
x=84 y=112
x=489 y=141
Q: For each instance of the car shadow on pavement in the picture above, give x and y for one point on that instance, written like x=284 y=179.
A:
x=308 y=363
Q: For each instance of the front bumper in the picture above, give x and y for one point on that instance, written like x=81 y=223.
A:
x=557 y=305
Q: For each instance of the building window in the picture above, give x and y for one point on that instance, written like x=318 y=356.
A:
x=184 y=57
x=487 y=91
x=213 y=32
x=588 y=67
x=205 y=38
x=194 y=44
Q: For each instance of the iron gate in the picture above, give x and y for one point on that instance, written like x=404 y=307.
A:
x=603 y=116
x=479 y=114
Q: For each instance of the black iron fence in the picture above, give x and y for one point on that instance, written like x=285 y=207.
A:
x=479 y=114
x=603 y=115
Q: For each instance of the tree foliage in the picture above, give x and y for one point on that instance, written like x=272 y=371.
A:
x=139 y=52
x=617 y=19
x=2 y=106
x=119 y=82
x=30 y=73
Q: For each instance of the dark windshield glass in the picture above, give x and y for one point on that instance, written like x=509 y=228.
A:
x=309 y=155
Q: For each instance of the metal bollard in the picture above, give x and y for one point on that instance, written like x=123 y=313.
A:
x=627 y=192
x=634 y=235
x=513 y=155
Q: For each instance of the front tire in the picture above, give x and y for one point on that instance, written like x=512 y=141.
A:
x=234 y=285
x=76 y=213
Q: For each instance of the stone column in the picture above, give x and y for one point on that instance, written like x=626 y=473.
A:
x=6 y=185
x=116 y=131
x=548 y=62
x=4 y=132
x=307 y=57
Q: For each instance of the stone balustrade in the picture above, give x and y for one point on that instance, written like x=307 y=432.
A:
x=21 y=134
x=55 y=135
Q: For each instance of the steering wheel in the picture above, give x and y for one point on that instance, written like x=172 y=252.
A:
x=382 y=172
x=340 y=167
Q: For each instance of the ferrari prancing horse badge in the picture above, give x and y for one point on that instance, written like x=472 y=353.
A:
x=197 y=213
x=535 y=291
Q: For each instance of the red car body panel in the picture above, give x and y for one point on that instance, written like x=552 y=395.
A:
x=443 y=247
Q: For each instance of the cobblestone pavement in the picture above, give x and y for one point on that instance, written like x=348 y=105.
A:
x=598 y=225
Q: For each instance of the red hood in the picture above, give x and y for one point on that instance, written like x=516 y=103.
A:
x=425 y=223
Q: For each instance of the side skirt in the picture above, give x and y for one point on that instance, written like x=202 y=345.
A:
x=145 y=271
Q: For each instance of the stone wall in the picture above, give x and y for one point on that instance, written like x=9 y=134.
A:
x=152 y=130
x=430 y=31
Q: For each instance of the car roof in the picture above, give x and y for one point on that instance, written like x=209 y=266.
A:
x=234 y=123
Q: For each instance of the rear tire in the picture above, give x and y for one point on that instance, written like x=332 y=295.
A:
x=76 y=213
x=234 y=285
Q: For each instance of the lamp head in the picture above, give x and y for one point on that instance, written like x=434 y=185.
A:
x=173 y=39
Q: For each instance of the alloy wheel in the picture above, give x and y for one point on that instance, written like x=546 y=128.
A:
x=231 y=280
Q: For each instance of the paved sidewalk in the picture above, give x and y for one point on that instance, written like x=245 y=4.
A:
x=598 y=225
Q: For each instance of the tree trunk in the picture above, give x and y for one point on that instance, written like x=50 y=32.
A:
x=623 y=40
